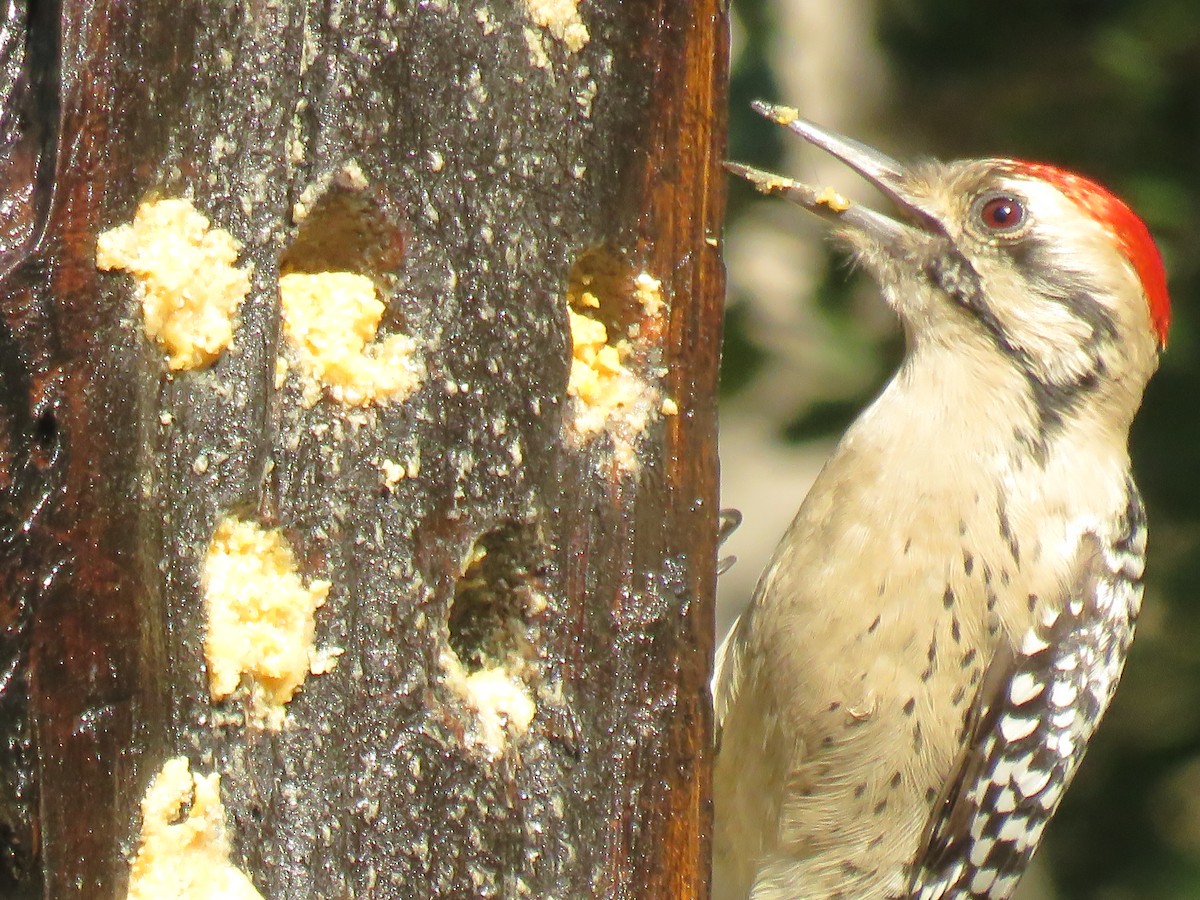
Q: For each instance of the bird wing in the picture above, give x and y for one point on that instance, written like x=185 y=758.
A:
x=1025 y=735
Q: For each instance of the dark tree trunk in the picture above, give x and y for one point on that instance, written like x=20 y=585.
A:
x=504 y=167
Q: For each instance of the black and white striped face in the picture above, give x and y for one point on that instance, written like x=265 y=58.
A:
x=997 y=250
x=1042 y=268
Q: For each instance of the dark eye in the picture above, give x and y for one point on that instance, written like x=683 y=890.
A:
x=1000 y=213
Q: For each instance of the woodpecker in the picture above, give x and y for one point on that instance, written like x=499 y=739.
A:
x=925 y=659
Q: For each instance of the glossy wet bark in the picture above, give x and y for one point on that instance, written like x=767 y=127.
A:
x=497 y=160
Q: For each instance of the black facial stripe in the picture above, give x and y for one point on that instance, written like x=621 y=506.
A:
x=1055 y=400
x=953 y=273
x=1034 y=256
x=1086 y=307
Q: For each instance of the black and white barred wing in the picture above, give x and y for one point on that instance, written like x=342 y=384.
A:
x=1036 y=710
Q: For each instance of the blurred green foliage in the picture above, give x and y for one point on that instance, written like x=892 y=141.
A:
x=1110 y=88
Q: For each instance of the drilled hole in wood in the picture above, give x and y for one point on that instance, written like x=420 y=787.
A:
x=499 y=590
x=45 y=430
x=600 y=286
x=492 y=637
x=336 y=281
x=617 y=319
x=342 y=227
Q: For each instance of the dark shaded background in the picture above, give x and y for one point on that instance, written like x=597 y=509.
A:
x=1111 y=89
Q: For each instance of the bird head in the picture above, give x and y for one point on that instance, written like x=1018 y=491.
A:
x=1023 y=264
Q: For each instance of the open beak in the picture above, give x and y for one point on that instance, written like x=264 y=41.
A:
x=881 y=170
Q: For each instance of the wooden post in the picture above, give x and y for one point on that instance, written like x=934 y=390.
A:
x=485 y=167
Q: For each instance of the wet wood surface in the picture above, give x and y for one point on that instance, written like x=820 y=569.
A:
x=498 y=163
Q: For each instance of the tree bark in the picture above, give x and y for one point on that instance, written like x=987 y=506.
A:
x=503 y=166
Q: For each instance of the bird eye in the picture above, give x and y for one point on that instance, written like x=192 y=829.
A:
x=1001 y=214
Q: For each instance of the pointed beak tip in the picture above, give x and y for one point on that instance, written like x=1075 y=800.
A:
x=825 y=201
x=875 y=166
x=885 y=173
x=764 y=182
x=780 y=115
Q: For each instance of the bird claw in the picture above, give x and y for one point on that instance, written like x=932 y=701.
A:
x=728 y=521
